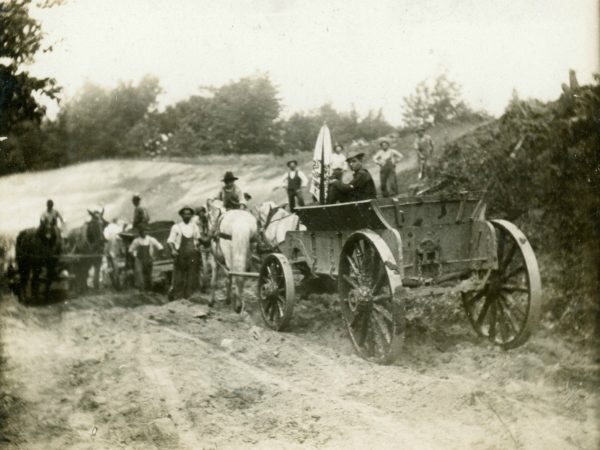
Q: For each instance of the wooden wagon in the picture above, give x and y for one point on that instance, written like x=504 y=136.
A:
x=382 y=251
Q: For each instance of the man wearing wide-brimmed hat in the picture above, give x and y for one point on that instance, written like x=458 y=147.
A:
x=387 y=158
x=424 y=147
x=183 y=242
x=294 y=181
x=230 y=194
x=362 y=186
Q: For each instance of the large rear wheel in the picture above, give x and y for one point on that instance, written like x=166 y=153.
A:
x=366 y=285
x=507 y=310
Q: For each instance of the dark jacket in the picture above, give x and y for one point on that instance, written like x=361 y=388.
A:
x=361 y=187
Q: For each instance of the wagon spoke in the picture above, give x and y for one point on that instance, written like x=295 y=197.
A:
x=511 y=303
x=353 y=267
x=384 y=312
x=508 y=313
x=380 y=297
x=483 y=312
x=508 y=258
x=514 y=288
x=471 y=301
x=383 y=328
x=379 y=281
x=501 y=243
x=350 y=281
x=493 y=314
x=363 y=328
x=512 y=273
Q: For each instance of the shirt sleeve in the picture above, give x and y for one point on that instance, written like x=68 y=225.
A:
x=133 y=247
x=303 y=178
x=359 y=180
x=173 y=235
x=377 y=157
x=157 y=245
x=284 y=180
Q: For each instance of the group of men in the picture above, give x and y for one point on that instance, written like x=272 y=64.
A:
x=189 y=240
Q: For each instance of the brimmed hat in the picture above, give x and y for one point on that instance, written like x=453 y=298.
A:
x=247 y=196
x=358 y=156
x=384 y=142
x=186 y=208
x=229 y=176
x=290 y=162
x=136 y=197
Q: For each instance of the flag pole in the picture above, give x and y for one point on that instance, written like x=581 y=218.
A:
x=322 y=183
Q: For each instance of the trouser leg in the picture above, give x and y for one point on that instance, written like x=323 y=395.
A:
x=300 y=197
x=383 y=177
x=147 y=275
x=139 y=274
x=292 y=200
x=393 y=181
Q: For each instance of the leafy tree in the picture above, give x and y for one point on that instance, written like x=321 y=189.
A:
x=435 y=102
x=98 y=122
x=20 y=113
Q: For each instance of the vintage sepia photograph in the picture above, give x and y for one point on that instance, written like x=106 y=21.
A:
x=286 y=224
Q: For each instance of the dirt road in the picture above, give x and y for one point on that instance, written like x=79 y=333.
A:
x=131 y=371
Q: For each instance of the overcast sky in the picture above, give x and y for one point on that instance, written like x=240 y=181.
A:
x=370 y=53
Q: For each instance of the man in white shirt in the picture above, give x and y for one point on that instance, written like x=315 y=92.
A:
x=387 y=158
x=338 y=159
x=424 y=147
x=183 y=243
x=294 y=181
x=143 y=248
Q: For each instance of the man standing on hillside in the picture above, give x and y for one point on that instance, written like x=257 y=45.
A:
x=230 y=194
x=337 y=159
x=362 y=186
x=386 y=159
x=424 y=147
x=183 y=241
x=140 y=214
x=293 y=181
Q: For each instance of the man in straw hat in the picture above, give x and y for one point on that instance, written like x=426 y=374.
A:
x=183 y=242
x=230 y=194
x=294 y=181
x=361 y=187
x=143 y=249
x=387 y=158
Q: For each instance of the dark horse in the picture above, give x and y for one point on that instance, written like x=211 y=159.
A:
x=37 y=249
x=87 y=244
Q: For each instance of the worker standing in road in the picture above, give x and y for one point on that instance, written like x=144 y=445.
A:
x=294 y=181
x=424 y=147
x=140 y=214
x=183 y=241
x=142 y=248
x=387 y=158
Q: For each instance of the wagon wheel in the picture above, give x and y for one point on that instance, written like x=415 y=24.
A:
x=276 y=291
x=366 y=287
x=507 y=309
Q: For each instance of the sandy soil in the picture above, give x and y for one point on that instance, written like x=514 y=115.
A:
x=131 y=371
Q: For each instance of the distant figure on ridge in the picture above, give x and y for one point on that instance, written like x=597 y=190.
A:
x=424 y=147
x=386 y=159
x=140 y=214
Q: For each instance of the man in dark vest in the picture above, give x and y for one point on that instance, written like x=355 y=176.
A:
x=293 y=181
x=183 y=242
x=362 y=186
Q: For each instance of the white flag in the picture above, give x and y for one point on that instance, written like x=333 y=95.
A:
x=321 y=170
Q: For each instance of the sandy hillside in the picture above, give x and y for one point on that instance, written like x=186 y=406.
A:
x=164 y=185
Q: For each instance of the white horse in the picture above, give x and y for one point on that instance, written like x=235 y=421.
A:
x=233 y=232
x=276 y=222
